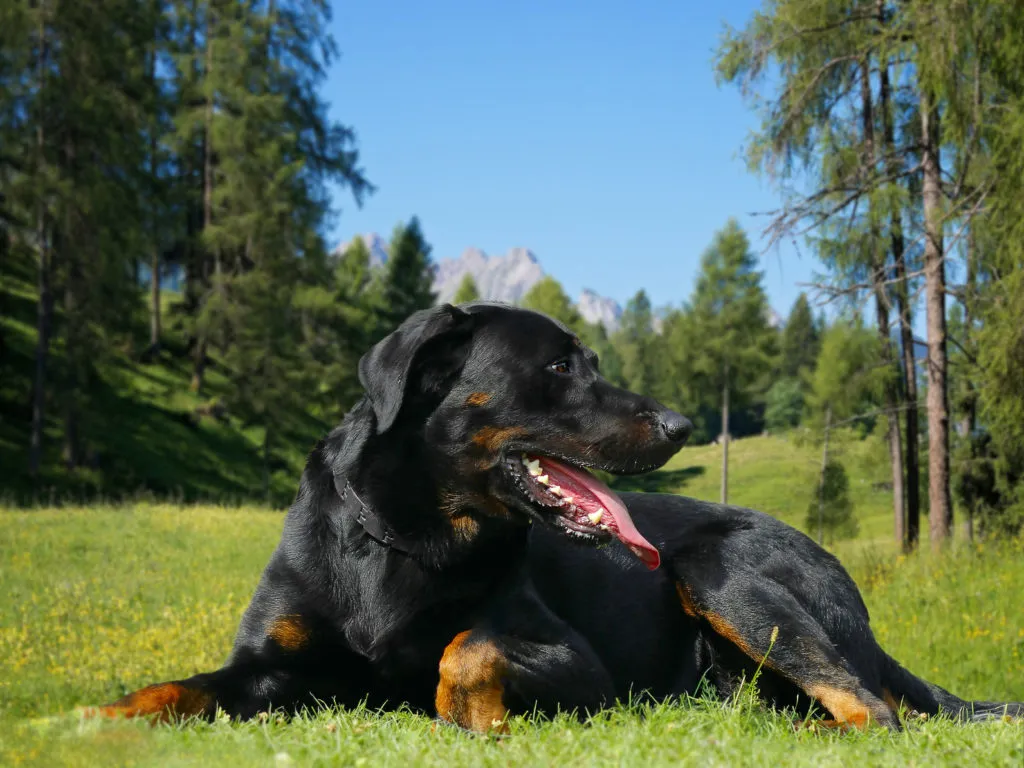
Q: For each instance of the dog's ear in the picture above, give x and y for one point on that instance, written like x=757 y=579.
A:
x=423 y=353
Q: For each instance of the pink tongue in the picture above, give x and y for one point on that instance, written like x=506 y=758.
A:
x=578 y=480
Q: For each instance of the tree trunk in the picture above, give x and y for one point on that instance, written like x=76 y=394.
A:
x=69 y=245
x=44 y=323
x=44 y=309
x=73 y=382
x=154 y=276
x=970 y=414
x=940 y=515
x=192 y=254
x=725 y=438
x=821 y=476
x=199 y=368
x=5 y=244
x=266 y=463
x=912 y=513
x=154 y=298
x=882 y=309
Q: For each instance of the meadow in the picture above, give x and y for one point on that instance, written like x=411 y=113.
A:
x=101 y=600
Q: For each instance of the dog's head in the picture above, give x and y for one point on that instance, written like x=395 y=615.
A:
x=509 y=411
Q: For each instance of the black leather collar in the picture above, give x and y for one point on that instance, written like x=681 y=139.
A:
x=370 y=522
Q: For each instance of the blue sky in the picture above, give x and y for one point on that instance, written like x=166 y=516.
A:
x=590 y=132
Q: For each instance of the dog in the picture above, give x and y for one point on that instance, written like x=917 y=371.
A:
x=449 y=550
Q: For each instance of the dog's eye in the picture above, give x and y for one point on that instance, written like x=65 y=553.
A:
x=560 y=366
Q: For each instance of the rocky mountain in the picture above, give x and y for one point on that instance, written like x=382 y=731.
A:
x=498 y=278
x=596 y=308
x=510 y=277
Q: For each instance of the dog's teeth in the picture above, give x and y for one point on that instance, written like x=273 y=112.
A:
x=542 y=479
x=604 y=527
x=568 y=499
x=595 y=517
x=555 y=489
x=532 y=466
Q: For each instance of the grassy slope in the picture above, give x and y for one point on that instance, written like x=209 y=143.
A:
x=779 y=475
x=101 y=600
x=141 y=438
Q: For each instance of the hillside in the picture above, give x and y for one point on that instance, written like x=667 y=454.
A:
x=149 y=435
x=779 y=475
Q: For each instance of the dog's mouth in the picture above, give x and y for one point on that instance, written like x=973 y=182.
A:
x=575 y=501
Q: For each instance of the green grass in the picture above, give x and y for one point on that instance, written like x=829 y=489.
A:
x=103 y=600
x=779 y=475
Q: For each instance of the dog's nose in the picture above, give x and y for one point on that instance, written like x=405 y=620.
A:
x=675 y=426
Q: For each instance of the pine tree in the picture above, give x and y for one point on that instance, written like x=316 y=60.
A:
x=547 y=296
x=784 y=404
x=467 y=291
x=829 y=122
x=733 y=343
x=341 y=320
x=182 y=131
x=85 y=114
x=409 y=277
x=636 y=344
x=799 y=342
x=830 y=515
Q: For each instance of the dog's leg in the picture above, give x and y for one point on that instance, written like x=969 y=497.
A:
x=749 y=613
x=526 y=660
x=239 y=690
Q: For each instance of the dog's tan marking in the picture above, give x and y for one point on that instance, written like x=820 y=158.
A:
x=845 y=706
x=466 y=527
x=723 y=627
x=494 y=438
x=165 y=701
x=289 y=632
x=686 y=599
x=476 y=399
x=890 y=701
x=471 y=688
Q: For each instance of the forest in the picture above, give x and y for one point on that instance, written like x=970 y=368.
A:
x=141 y=139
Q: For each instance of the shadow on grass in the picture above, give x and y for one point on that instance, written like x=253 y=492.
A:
x=661 y=481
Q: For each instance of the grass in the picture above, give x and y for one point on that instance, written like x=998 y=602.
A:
x=99 y=601
x=778 y=474
x=102 y=600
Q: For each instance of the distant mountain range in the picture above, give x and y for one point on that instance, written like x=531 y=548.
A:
x=499 y=278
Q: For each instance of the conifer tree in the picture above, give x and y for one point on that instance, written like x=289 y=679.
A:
x=733 y=344
x=547 y=296
x=799 y=342
x=830 y=515
x=467 y=291
x=408 y=277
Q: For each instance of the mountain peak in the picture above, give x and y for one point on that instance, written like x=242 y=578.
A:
x=504 y=278
x=599 y=309
x=522 y=255
x=498 y=278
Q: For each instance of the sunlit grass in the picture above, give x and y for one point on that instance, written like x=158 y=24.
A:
x=99 y=601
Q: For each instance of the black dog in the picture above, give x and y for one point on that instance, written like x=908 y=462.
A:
x=425 y=561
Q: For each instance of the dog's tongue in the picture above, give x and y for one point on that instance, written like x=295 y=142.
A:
x=591 y=495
